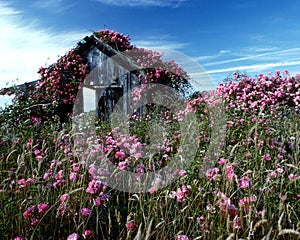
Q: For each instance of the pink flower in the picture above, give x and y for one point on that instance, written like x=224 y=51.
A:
x=182 y=193
x=267 y=157
x=95 y=186
x=273 y=174
x=230 y=172
x=244 y=182
x=182 y=237
x=212 y=173
x=29 y=212
x=92 y=170
x=73 y=236
x=101 y=199
x=64 y=197
x=222 y=161
x=34 y=222
x=86 y=212
x=87 y=232
x=138 y=155
x=236 y=223
x=59 y=175
x=279 y=170
x=43 y=207
x=37 y=152
x=19 y=238
x=130 y=225
x=120 y=155
x=152 y=190
x=122 y=166
x=292 y=176
x=74 y=176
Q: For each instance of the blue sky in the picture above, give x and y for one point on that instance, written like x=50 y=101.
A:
x=221 y=35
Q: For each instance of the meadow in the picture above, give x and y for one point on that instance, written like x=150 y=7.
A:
x=53 y=177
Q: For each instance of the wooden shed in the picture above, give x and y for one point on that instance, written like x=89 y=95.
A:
x=112 y=76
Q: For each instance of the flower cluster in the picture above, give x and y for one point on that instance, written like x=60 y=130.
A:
x=114 y=39
x=265 y=92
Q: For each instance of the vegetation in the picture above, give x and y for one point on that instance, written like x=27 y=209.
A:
x=54 y=178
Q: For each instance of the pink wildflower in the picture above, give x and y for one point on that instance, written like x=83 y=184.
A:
x=86 y=212
x=87 y=232
x=230 y=172
x=64 y=197
x=244 y=182
x=212 y=173
x=19 y=238
x=43 y=207
x=29 y=212
x=222 y=161
x=130 y=225
x=236 y=223
x=73 y=236
x=182 y=237
x=267 y=157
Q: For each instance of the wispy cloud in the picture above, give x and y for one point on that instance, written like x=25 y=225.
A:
x=272 y=55
x=254 y=60
x=256 y=67
x=159 y=44
x=142 y=3
x=26 y=46
x=221 y=54
x=56 y=6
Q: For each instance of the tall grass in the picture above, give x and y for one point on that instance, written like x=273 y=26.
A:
x=252 y=191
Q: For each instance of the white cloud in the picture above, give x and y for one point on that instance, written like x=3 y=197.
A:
x=26 y=46
x=224 y=51
x=256 y=67
x=56 y=6
x=141 y=3
x=159 y=44
x=287 y=54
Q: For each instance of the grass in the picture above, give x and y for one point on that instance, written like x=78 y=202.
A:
x=252 y=191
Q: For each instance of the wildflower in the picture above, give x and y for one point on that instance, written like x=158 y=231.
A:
x=244 y=182
x=230 y=172
x=29 y=212
x=19 y=238
x=34 y=222
x=267 y=157
x=92 y=170
x=212 y=173
x=152 y=190
x=182 y=193
x=37 y=152
x=74 y=176
x=64 y=197
x=292 y=176
x=43 y=207
x=273 y=174
x=279 y=170
x=122 y=166
x=222 y=161
x=95 y=186
x=236 y=223
x=86 y=212
x=73 y=236
x=130 y=225
x=101 y=199
x=87 y=232
x=182 y=237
